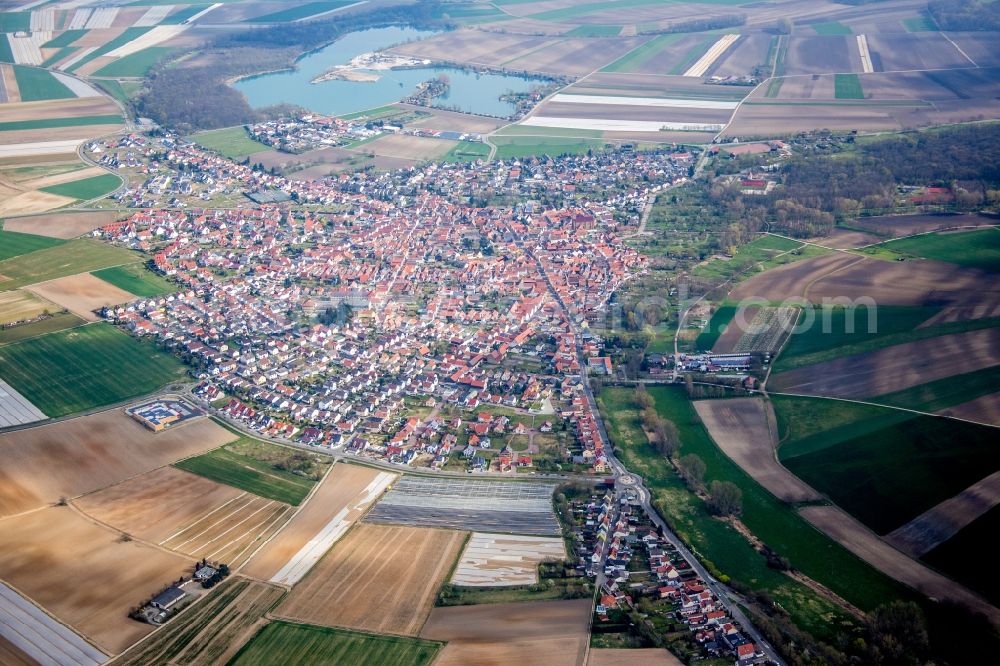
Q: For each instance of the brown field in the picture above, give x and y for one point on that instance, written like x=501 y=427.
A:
x=985 y=409
x=409 y=147
x=82 y=294
x=744 y=428
x=982 y=47
x=93 y=452
x=57 y=133
x=575 y=57
x=83 y=573
x=18 y=304
x=845 y=239
x=864 y=543
x=203 y=520
x=894 y=226
x=450 y=120
x=472 y=46
x=637 y=657
x=340 y=489
x=667 y=56
x=632 y=112
x=738 y=60
x=60 y=225
x=379 y=578
x=60 y=178
x=940 y=523
x=32 y=202
x=98 y=37
x=57 y=108
x=94 y=65
x=726 y=343
x=918 y=50
x=822 y=55
x=652 y=85
x=894 y=368
x=554 y=633
x=218 y=635
x=11 y=655
x=781 y=120
x=815 y=86
x=887 y=282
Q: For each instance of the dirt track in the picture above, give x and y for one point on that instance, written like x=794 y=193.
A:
x=864 y=543
x=378 y=578
x=937 y=525
x=81 y=455
x=554 y=633
x=894 y=368
x=740 y=427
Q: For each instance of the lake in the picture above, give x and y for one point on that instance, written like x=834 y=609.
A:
x=470 y=92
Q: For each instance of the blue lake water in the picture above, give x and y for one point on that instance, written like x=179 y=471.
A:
x=470 y=92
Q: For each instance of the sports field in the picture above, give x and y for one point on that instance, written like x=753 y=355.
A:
x=77 y=256
x=251 y=474
x=309 y=645
x=136 y=279
x=13 y=244
x=70 y=371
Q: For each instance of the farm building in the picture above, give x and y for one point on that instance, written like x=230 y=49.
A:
x=168 y=598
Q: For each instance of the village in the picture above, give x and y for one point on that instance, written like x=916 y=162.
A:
x=410 y=326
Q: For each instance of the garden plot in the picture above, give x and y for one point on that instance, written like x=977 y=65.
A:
x=39 y=636
x=497 y=506
x=380 y=578
x=339 y=501
x=500 y=559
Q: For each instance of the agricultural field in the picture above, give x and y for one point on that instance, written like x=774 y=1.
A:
x=136 y=279
x=962 y=556
x=205 y=520
x=57 y=322
x=511 y=147
x=548 y=632
x=91 y=576
x=395 y=573
x=975 y=249
x=72 y=258
x=262 y=469
x=135 y=64
x=497 y=506
x=634 y=656
x=310 y=645
x=301 y=12
x=211 y=632
x=84 y=295
x=467 y=151
x=37 y=85
x=717 y=326
x=30 y=636
x=18 y=304
x=90 y=366
x=93 y=452
x=745 y=430
x=342 y=497
x=893 y=369
x=851 y=453
x=87 y=188
x=501 y=560
x=411 y=147
x=14 y=244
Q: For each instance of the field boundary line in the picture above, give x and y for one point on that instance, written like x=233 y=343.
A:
x=201 y=518
x=959 y=48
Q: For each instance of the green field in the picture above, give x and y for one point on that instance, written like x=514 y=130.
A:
x=232 y=142
x=182 y=14
x=975 y=249
x=716 y=325
x=374 y=114
x=15 y=21
x=594 y=31
x=127 y=36
x=136 y=279
x=467 y=151
x=557 y=132
x=120 y=90
x=968 y=554
x=719 y=545
x=943 y=393
x=756 y=256
x=250 y=473
x=635 y=59
x=59 y=322
x=300 y=12
x=64 y=52
x=518 y=146
x=5 y=52
x=46 y=123
x=86 y=367
x=64 y=39
x=76 y=256
x=852 y=454
x=37 y=85
x=308 y=645
x=831 y=28
x=919 y=24
x=88 y=188
x=14 y=244
x=578 y=10
x=847 y=86
x=135 y=65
